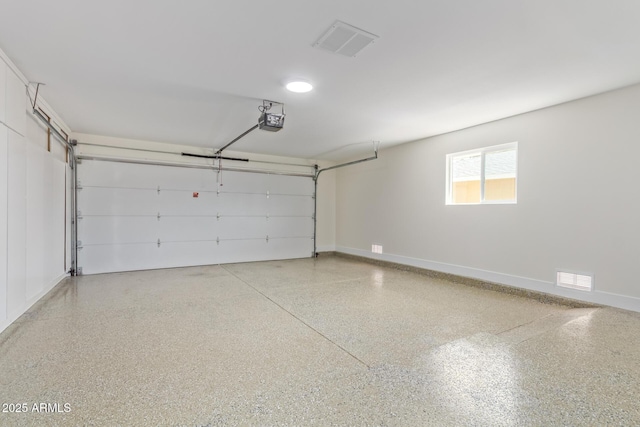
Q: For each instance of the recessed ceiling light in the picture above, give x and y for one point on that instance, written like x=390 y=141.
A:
x=299 y=86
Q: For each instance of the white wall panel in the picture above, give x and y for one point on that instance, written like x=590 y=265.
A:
x=3 y=216
x=16 y=104
x=120 y=202
x=56 y=211
x=3 y=91
x=32 y=203
x=37 y=227
x=17 y=223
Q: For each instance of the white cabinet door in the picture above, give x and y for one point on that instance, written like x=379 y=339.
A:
x=136 y=217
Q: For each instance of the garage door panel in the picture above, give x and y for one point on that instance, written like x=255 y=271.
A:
x=243 y=251
x=281 y=184
x=290 y=205
x=180 y=229
x=186 y=179
x=117 y=201
x=290 y=226
x=242 y=227
x=120 y=203
x=117 y=229
x=243 y=204
x=96 y=259
x=112 y=174
x=183 y=254
x=243 y=182
x=184 y=203
x=291 y=248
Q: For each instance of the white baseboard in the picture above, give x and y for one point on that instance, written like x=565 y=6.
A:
x=15 y=314
x=595 y=297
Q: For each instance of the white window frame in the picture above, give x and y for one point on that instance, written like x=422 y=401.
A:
x=483 y=151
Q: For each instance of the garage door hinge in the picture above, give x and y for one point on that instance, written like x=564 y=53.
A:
x=79 y=216
x=267 y=217
x=158 y=216
x=79 y=244
x=217 y=240
x=158 y=189
x=267 y=238
x=158 y=242
x=218 y=216
x=79 y=185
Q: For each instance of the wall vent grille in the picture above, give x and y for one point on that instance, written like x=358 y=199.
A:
x=582 y=282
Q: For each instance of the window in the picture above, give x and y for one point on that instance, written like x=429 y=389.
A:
x=485 y=175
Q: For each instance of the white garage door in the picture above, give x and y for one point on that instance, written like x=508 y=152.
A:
x=138 y=217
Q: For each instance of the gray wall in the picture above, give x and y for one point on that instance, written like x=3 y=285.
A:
x=578 y=202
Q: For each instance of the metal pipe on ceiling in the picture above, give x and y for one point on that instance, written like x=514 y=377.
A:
x=190 y=165
x=192 y=155
x=242 y=135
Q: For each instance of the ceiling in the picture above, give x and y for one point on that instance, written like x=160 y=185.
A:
x=194 y=72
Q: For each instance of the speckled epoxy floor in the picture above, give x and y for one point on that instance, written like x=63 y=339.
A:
x=327 y=341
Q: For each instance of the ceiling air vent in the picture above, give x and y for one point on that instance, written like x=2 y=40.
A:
x=344 y=39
